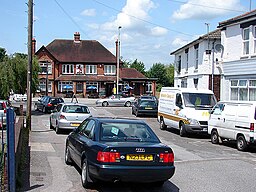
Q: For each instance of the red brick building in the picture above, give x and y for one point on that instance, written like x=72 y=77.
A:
x=86 y=67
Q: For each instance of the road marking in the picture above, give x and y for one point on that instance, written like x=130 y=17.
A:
x=46 y=147
x=59 y=178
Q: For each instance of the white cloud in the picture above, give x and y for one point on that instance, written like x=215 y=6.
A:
x=89 y=12
x=132 y=15
x=205 y=9
x=158 y=31
x=178 y=42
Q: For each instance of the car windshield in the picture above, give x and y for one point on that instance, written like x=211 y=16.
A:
x=75 y=109
x=199 y=100
x=146 y=103
x=126 y=132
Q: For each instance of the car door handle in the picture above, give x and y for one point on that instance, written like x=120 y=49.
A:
x=218 y=118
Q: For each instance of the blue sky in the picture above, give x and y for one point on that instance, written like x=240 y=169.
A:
x=151 y=29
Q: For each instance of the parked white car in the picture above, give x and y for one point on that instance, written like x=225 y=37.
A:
x=116 y=100
x=233 y=120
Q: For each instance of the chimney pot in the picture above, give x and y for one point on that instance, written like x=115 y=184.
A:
x=77 y=37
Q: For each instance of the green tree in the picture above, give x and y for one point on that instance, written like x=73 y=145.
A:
x=158 y=70
x=2 y=54
x=138 y=65
x=13 y=75
x=170 y=74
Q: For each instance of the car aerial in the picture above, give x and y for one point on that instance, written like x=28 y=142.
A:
x=48 y=103
x=117 y=149
x=145 y=107
x=68 y=116
x=116 y=100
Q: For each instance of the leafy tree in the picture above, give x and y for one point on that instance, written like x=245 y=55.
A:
x=158 y=70
x=13 y=75
x=138 y=65
x=170 y=74
x=2 y=54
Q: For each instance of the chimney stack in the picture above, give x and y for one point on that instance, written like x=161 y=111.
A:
x=33 y=46
x=76 y=37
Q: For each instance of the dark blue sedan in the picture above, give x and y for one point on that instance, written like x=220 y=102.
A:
x=113 y=149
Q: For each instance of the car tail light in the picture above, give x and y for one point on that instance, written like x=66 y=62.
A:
x=166 y=157
x=49 y=104
x=4 y=107
x=62 y=117
x=252 y=127
x=108 y=157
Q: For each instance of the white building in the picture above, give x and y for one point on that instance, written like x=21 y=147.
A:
x=197 y=63
x=238 y=36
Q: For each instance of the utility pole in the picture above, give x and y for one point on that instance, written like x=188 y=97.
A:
x=118 y=58
x=29 y=66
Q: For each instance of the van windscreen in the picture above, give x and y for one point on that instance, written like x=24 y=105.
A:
x=199 y=100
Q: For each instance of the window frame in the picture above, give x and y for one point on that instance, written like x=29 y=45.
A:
x=67 y=68
x=109 y=69
x=196 y=58
x=246 y=42
x=91 y=69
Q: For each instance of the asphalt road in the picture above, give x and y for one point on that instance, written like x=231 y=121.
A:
x=200 y=165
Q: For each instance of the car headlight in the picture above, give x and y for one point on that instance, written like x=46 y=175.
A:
x=193 y=121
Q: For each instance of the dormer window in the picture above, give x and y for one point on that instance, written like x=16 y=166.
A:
x=246 y=35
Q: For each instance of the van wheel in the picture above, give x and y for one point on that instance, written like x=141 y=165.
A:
x=241 y=143
x=182 y=130
x=215 y=137
x=162 y=124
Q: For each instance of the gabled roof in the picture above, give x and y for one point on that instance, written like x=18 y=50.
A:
x=130 y=73
x=216 y=34
x=84 y=51
x=245 y=16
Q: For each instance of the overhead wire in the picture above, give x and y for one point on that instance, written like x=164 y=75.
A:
x=66 y=13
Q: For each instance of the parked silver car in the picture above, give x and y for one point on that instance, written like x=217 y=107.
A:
x=68 y=116
x=116 y=100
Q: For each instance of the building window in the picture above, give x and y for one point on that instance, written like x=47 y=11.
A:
x=79 y=69
x=178 y=65
x=42 y=86
x=44 y=65
x=109 y=69
x=91 y=69
x=67 y=69
x=186 y=56
x=254 y=37
x=79 y=87
x=196 y=58
x=243 y=90
x=184 y=83
x=149 y=87
x=65 y=86
x=246 y=35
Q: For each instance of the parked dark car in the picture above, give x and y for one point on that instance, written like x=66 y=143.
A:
x=145 y=107
x=115 y=149
x=47 y=103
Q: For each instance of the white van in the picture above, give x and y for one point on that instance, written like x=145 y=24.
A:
x=233 y=120
x=185 y=109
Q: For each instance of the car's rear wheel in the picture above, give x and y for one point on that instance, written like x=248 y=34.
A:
x=162 y=124
x=51 y=126
x=214 y=137
x=105 y=104
x=86 y=181
x=57 y=129
x=128 y=104
x=44 y=110
x=241 y=143
x=182 y=130
x=68 y=159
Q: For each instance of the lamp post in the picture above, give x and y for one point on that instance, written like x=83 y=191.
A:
x=118 y=58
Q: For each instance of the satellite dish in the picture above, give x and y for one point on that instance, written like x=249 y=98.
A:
x=219 y=48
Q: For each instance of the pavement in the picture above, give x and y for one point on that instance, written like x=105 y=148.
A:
x=44 y=168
